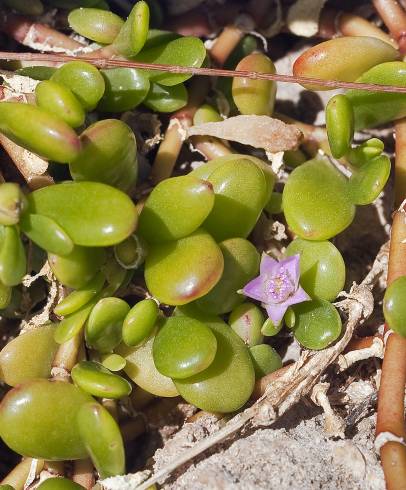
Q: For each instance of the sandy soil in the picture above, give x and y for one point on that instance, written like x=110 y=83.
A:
x=296 y=454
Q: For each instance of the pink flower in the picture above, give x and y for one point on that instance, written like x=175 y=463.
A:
x=277 y=286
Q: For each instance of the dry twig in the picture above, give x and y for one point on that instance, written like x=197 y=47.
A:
x=36 y=35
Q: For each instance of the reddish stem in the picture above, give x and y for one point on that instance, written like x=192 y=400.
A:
x=210 y=147
x=25 y=31
x=400 y=163
x=390 y=417
x=333 y=23
x=394 y=16
x=225 y=44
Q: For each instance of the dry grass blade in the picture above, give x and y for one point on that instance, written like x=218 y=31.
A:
x=212 y=72
x=297 y=381
x=258 y=131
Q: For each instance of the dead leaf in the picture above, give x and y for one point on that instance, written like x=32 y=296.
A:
x=264 y=132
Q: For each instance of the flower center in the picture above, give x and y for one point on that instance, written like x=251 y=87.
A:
x=279 y=286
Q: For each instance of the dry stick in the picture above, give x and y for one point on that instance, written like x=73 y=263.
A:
x=35 y=35
x=394 y=16
x=18 y=475
x=262 y=383
x=333 y=23
x=210 y=72
x=390 y=418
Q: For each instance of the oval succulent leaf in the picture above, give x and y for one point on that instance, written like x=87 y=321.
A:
x=98 y=25
x=39 y=131
x=102 y=439
x=91 y=213
x=326 y=60
x=38 y=405
x=134 y=32
x=126 y=88
x=185 y=51
x=108 y=155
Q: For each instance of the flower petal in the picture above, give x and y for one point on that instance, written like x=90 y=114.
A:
x=276 y=312
x=299 y=296
x=292 y=265
x=255 y=289
x=269 y=266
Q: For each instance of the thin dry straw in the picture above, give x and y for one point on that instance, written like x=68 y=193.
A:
x=212 y=72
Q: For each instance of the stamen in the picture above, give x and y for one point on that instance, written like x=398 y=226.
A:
x=279 y=286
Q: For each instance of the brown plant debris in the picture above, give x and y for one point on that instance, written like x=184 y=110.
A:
x=264 y=132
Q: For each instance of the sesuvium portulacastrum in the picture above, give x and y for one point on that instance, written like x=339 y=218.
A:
x=277 y=286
